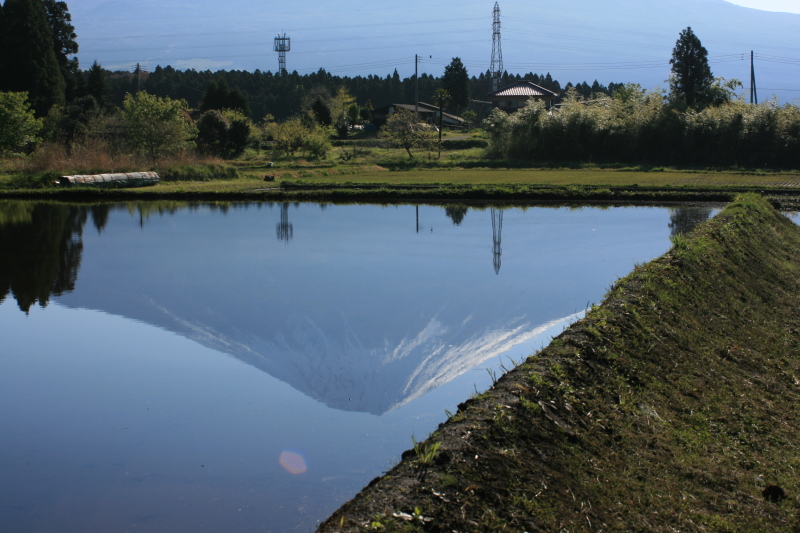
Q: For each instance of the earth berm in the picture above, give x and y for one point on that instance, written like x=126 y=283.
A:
x=673 y=406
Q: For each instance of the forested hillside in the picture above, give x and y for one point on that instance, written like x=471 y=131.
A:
x=283 y=96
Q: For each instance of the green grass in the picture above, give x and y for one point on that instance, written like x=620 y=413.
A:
x=493 y=176
x=671 y=407
x=333 y=174
x=462 y=173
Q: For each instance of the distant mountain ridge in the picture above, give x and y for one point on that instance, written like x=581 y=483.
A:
x=574 y=42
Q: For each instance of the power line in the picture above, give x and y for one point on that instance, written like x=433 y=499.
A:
x=383 y=10
x=629 y=65
x=261 y=43
x=300 y=29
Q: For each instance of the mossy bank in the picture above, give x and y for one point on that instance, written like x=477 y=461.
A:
x=673 y=406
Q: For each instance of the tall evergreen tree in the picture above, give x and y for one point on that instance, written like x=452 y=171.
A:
x=238 y=100
x=456 y=82
x=64 y=45
x=321 y=110
x=30 y=63
x=215 y=96
x=97 y=85
x=2 y=45
x=691 y=76
x=220 y=96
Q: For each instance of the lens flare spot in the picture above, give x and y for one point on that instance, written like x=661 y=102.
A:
x=294 y=463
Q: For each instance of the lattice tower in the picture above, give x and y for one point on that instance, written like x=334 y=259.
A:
x=284 y=229
x=497 y=238
x=282 y=45
x=497 y=50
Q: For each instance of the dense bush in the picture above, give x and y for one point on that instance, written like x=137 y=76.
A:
x=157 y=127
x=198 y=173
x=463 y=144
x=223 y=133
x=212 y=133
x=295 y=134
x=636 y=126
x=19 y=127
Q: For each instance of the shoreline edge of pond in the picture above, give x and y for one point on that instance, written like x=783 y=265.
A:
x=671 y=406
x=779 y=197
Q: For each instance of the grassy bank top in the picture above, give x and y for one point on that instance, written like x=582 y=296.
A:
x=298 y=181
x=671 y=407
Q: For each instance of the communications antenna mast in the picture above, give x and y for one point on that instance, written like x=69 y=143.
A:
x=497 y=51
x=282 y=45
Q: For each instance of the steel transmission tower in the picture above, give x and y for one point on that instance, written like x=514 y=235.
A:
x=497 y=238
x=282 y=45
x=497 y=51
x=284 y=229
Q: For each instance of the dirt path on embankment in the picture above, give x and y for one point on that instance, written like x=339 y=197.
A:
x=673 y=406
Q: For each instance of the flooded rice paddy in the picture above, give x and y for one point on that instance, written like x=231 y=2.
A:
x=250 y=367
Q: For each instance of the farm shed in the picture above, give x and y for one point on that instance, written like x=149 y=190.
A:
x=428 y=113
x=517 y=95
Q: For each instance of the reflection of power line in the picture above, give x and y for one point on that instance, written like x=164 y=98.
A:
x=497 y=237
x=284 y=228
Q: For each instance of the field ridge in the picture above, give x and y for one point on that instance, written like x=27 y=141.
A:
x=673 y=406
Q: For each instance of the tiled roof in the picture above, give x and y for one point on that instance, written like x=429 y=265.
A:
x=523 y=88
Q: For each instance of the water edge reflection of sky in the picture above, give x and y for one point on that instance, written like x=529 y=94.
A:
x=251 y=369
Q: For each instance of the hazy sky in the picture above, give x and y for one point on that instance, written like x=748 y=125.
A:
x=582 y=40
x=785 y=6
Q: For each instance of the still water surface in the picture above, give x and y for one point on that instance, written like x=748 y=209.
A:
x=251 y=367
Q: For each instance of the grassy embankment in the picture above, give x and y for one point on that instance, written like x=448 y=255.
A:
x=673 y=406
x=373 y=173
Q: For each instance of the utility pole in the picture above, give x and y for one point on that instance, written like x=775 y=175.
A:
x=416 y=87
x=753 y=92
x=138 y=78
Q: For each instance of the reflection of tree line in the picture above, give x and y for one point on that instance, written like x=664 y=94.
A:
x=41 y=243
x=42 y=250
x=684 y=220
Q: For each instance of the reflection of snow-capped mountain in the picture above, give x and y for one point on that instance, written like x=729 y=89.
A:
x=340 y=370
x=359 y=310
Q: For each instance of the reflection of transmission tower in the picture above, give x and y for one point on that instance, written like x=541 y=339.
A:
x=282 y=45
x=284 y=229
x=497 y=237
x=497 y=52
